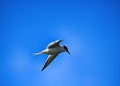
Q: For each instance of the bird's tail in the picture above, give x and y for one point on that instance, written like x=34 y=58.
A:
x=36 y=54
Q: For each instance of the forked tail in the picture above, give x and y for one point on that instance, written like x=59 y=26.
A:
x=36 y=54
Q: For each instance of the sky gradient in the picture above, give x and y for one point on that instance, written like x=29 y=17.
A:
x=90 y=29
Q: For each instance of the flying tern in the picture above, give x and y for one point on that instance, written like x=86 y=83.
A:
x=53 y=49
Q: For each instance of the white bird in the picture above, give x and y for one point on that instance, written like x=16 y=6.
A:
x=53 y=49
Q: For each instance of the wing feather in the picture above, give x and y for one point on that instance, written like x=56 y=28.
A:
x=54 y=44
x=49 y=60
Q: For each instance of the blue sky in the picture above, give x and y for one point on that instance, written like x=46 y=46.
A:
x=90 y=29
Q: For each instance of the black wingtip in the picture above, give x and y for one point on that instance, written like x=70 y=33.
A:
x=43 y=68
x=59 y=40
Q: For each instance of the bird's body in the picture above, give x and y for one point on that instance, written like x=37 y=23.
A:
x=53 y=49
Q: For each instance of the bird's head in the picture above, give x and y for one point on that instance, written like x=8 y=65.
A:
x=66 y=49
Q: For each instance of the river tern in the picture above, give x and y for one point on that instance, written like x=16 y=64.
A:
x=52 y=50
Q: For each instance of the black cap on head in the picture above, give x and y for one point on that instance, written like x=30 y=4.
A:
x=65 y=47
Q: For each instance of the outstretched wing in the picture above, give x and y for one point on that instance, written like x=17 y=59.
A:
x=49 y=60
x=54 y=44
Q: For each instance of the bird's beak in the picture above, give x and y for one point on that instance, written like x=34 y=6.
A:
x=68 y=52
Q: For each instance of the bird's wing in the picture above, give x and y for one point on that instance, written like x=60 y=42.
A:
x=54 y=44
x=49 y=60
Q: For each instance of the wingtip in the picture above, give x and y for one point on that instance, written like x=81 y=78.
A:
x=42 y=69
x=60 y=40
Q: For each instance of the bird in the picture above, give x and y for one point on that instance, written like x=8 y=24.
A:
x=52 y=50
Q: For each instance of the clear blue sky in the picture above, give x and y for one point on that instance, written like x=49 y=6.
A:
x=90 y=29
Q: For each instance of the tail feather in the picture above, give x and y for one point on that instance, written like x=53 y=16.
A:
x=36 y=54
